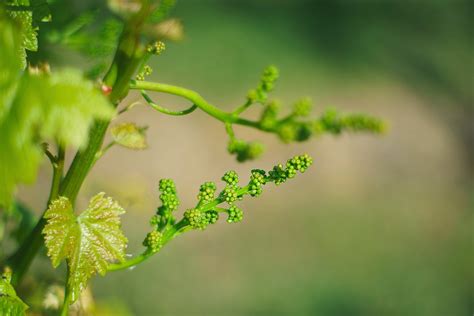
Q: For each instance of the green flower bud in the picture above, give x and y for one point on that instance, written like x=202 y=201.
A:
x=231 y=177
x=153 y=241
x=168 y=196
x=207 y=191
x=278 y=174
x=269 y=76
x=235 y=214
x=155 y=220
x=269 y=114
x=230 y=194
x=244 y=150
x=196 y=219
x=302 y=107
x=212 y=217
x=287 y=132
x=156 y=48
x=257 y=180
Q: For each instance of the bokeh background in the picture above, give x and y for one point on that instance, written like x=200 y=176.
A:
x=378 y=226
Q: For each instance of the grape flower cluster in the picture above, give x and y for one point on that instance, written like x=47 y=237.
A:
x=295 y=126
x=208 y=207
x=163 y=217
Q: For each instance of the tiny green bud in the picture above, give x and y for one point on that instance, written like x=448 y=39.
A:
x=270 y=75
x=153 y=240
x=302 y=107
x=269 y=114
x=235 y=214
x=287 y=132
x=231 y=177
x=155 y=220
x=212 y=217
x=230 y=194
x=257 y=180
x=252 y=96
x=206 y=191
x=168 y=194
x=196 y=219
x=278 y=174
x=245 y=150
x=156 y=48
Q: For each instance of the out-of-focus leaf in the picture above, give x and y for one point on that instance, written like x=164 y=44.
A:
x=129 y=135
x=60 y=106
x=41 y=12
x=88 y=242
x=25 y=221
x=35 y=11
x=171 y=29
x=163 y=11
x=124 y=8
x=98 y=43
x=10 y=303
x=10 y=61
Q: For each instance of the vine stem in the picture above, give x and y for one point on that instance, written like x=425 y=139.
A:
x=243 y=107
x=23 y=256
x=67 y=297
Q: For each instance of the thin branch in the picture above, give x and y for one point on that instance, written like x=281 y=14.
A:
x=128 y=107
x=102 y=152
x=50 y=155
x=242 y=108
x=230 y=131
x=165 y=110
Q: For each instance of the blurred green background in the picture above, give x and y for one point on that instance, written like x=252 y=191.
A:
x=378 y=226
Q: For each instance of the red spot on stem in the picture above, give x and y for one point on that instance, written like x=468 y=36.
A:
x=106 y=90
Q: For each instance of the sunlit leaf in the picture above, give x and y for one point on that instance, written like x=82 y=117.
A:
x=24 y=20
x=89 y=242
x=10 y=60
x=10 y=303
x=129 y=135
x=60 y=106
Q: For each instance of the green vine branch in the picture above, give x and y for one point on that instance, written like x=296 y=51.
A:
x=295 y=126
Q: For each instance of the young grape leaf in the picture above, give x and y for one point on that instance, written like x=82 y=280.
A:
x=27 y=14
x=129 y=135
x=10 y=303
x=59 y=106
x=10 y=61
x=88 y=242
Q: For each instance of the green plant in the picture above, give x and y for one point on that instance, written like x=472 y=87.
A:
x=38 y=107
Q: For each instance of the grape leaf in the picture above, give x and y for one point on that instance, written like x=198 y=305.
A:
x=10 y=303
x=88 y=242
x=29 y=32
x=60 y=106
x=163 y=11
x=10 y=62
x=129 y=135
